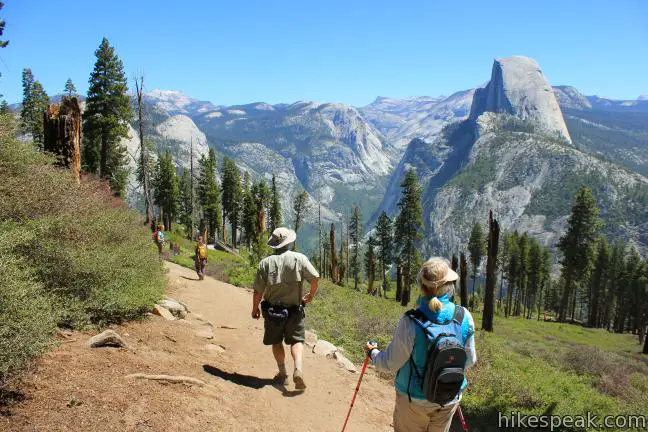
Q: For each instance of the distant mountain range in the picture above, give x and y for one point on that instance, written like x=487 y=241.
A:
x=516 y=145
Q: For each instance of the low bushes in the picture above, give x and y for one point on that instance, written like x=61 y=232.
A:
x=70 y=255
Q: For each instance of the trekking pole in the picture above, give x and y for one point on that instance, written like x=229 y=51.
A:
x=464 y=425
x=362 y=372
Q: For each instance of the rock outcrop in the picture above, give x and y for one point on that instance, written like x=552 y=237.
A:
x=519 y=88
x=108 y=338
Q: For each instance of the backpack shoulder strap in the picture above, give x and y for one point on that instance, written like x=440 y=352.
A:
x=419 y=318
x=459 y=313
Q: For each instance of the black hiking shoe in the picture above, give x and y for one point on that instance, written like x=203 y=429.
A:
x=280 y=379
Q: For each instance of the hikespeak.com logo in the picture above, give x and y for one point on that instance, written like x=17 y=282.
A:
x=517 y=420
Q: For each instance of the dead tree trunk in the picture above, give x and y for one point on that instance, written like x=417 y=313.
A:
x=399 y=282
x=335 y=272
x=491 y=272
x=144 y=159
x=62 y=134
x=463 y=280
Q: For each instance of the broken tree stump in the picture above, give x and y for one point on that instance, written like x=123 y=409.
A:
x=62 y=134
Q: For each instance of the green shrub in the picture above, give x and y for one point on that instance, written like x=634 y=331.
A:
x=71 y=255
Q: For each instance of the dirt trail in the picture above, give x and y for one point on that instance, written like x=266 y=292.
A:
x=75 y=388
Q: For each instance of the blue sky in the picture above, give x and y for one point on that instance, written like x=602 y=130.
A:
x=339 y=51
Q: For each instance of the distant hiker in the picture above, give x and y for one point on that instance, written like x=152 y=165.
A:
x=200 y=257
x=158 y=237
x=279 y=282
x=430 y=363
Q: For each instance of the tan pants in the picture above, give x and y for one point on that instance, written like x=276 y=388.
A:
x=409 y=417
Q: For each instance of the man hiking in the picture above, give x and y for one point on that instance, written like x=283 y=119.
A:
x=279 y=282
x=200 y=257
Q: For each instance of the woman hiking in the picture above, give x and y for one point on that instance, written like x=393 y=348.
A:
x=427 y=397
x=158 y=238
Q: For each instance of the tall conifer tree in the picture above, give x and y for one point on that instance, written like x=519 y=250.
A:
x=407 y=229
x=274 y=213
x=209 y=194
x=384 y=233
x=477 y=250
x=232 y=196
x=355 y=233
x=106 y=117
x=577 y=246
x=301 y=208
x=167 y=192
x=35 y=102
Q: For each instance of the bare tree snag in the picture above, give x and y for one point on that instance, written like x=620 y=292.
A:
x=491 y=272
x=335 y=271
x=62 y=134
x=143 y=162
x=463 y=279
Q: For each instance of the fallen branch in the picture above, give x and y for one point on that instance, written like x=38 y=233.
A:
x=168 y=378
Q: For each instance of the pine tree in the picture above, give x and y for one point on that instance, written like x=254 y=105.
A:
x=249 y=211
x=209 y=194
x=521 y=278
x=167 y=192
x=370 y=265
x=4 y=107
x=70 y=90
x=477 y=250
x=512 y=271
x=545 y=274
x=384 y=233
x=232 y=197
x=534 y=276
x=407 y=228
x=598 y=282
x=301 y=207
x=106 y=117
x=577 y=246
x=35 y=102
x=355 y=233
x=274 y=213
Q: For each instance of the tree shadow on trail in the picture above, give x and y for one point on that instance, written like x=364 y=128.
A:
x=191 y=279
x=249 y=381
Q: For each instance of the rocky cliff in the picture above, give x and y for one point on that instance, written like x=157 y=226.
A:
x=519 y=88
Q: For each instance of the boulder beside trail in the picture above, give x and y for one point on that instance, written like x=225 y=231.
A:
x=310 y=339
x=107 y=338
x=176 y=308
x=324 y=348
x=345 y=362
x=163 y=312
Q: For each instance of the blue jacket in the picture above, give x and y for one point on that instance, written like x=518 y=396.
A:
x=420 y=349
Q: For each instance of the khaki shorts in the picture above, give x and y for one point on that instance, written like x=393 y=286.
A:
x=409 y=417
x=291 y=330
